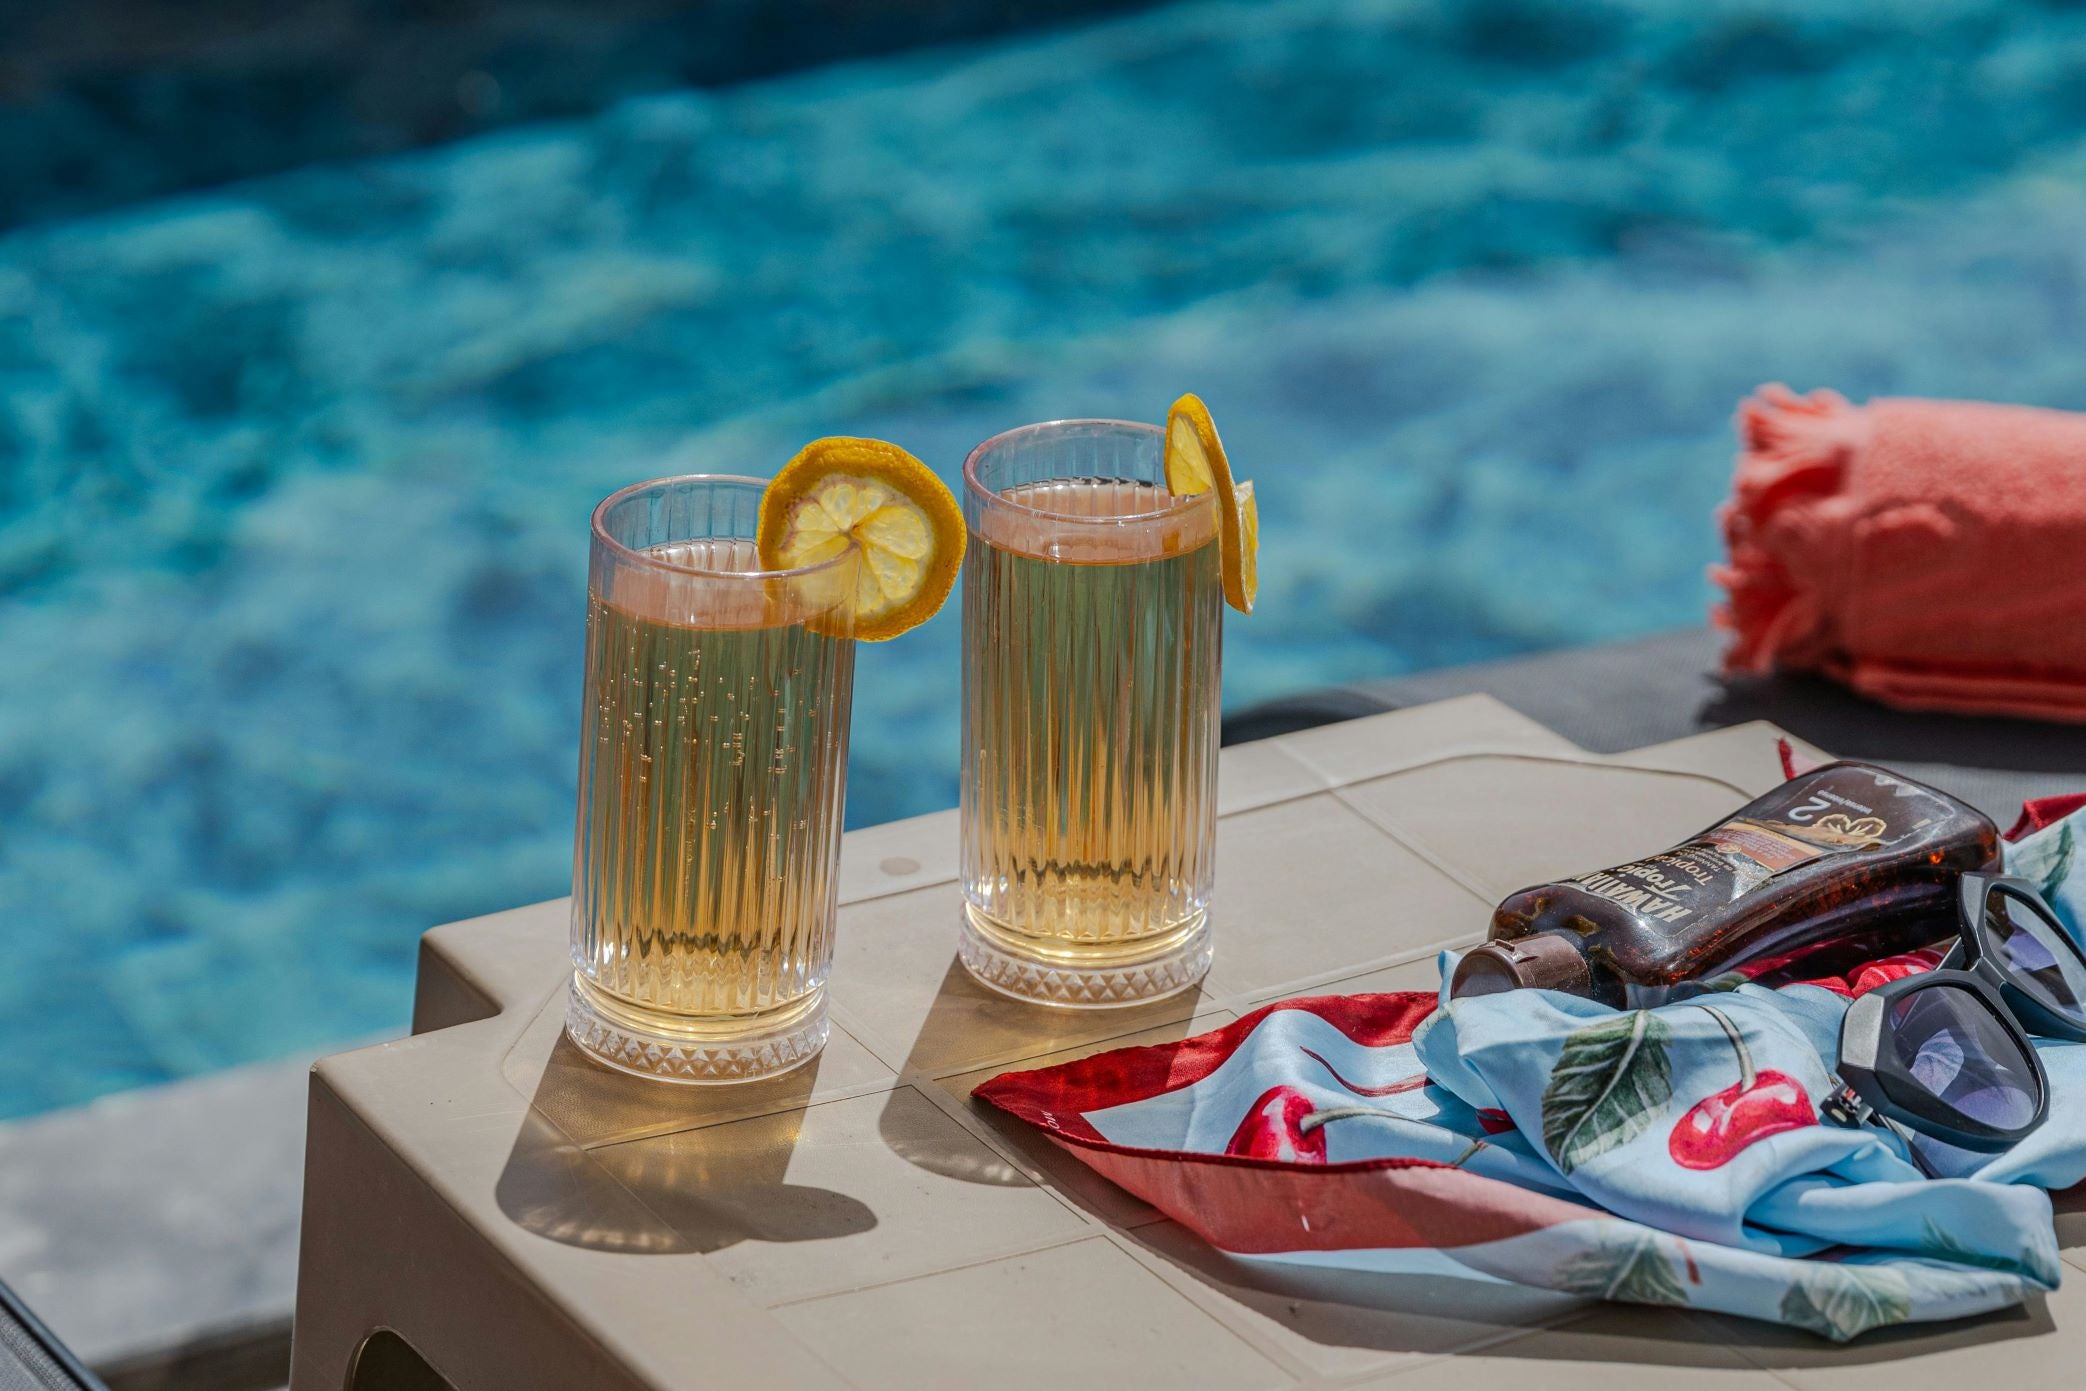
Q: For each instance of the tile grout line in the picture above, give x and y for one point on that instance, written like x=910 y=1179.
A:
x=1255 y=999
x=853 y=1092
x=869 y=1040
x=1737 y=1341
x=1564 y=1322
x=1282 y=801
x=958 y=1112
x=1103 y=1235
x=1211 y=1004
x=990 y=1256
x=1453 y=874
x=1251 y=1337
x=1056 y=1244
x=881 y=894
x=958 y=1109
x=1436 y=758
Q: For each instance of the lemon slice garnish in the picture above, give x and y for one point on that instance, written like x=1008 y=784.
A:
x=841 y=492
x=1195 y=463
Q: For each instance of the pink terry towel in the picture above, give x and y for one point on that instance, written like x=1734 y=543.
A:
x=1930 y=554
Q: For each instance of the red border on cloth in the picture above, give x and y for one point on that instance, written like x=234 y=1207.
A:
x=1057 y=1098
x=2044 y=812
x=1262 y=1205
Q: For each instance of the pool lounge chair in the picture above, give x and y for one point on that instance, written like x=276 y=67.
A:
x=31 y=1357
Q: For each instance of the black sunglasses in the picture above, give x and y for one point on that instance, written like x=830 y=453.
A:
x=1946 y=1053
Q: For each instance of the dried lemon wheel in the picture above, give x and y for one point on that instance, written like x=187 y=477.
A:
x=1195 y=463
x=841 y=492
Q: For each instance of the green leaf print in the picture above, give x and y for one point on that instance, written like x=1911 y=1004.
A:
x=1610 y=1080
x=1633 y=1270
x=1843 y=1301
x=1941 y=1245
x=2046 y=860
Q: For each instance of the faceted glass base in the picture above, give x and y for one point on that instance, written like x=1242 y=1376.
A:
x=694 y=1052
x=1084 y=982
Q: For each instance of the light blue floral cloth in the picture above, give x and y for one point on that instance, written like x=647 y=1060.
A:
x=1695 y=1124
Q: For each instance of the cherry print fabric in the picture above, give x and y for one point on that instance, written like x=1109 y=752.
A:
x=1664 y=1156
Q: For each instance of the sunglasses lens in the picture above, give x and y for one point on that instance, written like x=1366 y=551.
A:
x=2037 y=953
x=1957 y=1051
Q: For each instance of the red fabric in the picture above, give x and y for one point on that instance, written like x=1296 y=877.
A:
x=1252 y=1205
x=1926 y=553
x=1794 y=763
x=2045 y=811
x=1054 y=1098
x=1889 y=968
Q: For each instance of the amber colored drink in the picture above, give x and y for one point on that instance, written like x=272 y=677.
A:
x=1091 y=663
x=712 y=772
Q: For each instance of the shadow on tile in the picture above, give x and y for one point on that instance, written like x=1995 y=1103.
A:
x=1433 y=1314
x=964 y=1011
x=1071 y=1179
x=594 y=1105
x=1611 y=1335
x=2069 y=1206
x=1422 y=1313
x=716 y=1186
x=1779 y=1349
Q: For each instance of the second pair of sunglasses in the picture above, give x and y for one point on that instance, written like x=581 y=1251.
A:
x=1947 y=1053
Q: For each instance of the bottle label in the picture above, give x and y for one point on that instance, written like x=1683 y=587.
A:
x=1805 y=820
x=1766 y=847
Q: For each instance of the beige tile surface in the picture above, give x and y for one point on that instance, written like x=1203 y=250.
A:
x=1262 y=772
x=909 y=1239
x=1614 y=1348
x=1340 y=1324
x=1420 y=973
x=1310 y=886
x=898 y=856
x=1072 y=1318
x=897 y=979
x=1742 y=755
x=1358 y=749
x=839 y=1196
x=594 y=1105
x=1501 y=823
x=1048 y=1162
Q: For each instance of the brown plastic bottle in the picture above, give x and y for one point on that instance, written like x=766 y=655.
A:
x=1834 y=867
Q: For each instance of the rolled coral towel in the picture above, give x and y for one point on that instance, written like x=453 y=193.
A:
x=1929 y=554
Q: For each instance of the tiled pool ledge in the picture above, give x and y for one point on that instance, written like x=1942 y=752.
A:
x=862 y=1220
x=157 y=1230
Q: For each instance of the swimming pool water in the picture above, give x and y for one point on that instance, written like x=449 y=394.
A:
x=294 y=476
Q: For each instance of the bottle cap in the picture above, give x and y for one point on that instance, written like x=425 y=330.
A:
x=1544 y=961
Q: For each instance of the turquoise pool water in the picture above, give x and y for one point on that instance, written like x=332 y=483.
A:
x=294 y=475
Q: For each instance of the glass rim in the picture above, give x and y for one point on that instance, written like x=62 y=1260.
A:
x=631 y=555
x=989 y=498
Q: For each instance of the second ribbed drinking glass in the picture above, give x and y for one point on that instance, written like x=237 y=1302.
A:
x=712 y=770
x=1092 y=633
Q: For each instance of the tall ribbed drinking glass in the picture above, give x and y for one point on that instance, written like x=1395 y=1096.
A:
x=713 y=766
x=1092 y=635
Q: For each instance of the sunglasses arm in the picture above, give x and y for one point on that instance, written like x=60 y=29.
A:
x=1846 y=1108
